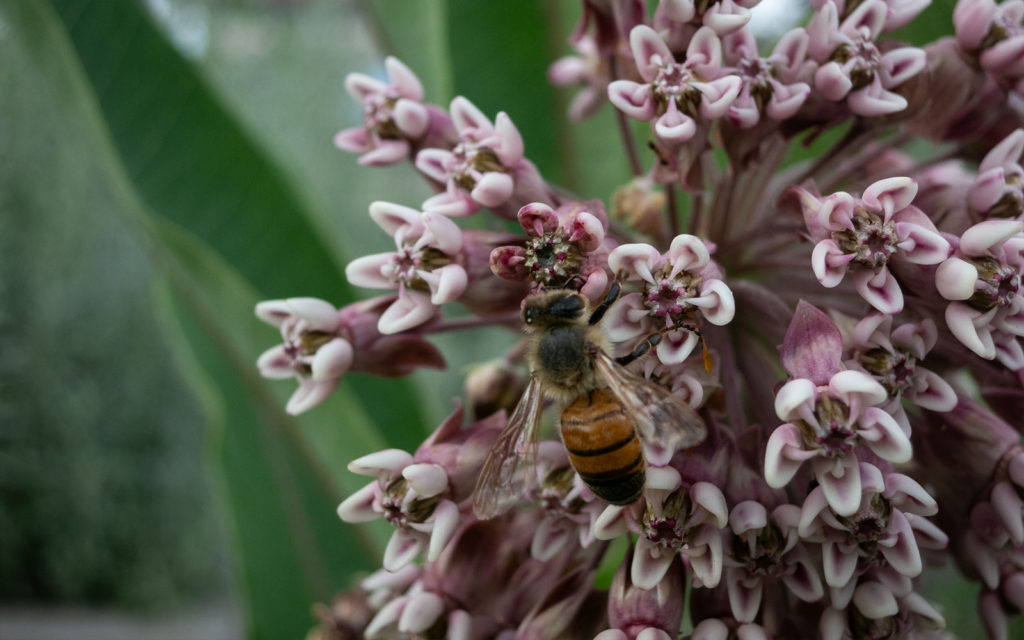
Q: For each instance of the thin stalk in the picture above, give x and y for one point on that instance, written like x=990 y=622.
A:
x=510 y=320
x=672 y=210
x=625 y=132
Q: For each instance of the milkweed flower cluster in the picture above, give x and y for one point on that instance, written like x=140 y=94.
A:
x=847 y=328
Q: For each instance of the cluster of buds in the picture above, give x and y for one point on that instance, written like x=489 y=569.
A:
x=843 y=334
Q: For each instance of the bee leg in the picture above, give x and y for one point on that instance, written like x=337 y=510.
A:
x=568 y=284
x=613 y=294
x=641 y=349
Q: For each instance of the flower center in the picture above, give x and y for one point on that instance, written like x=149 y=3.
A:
x=832 y=437
x=399 y=511
x=861 y=57
x=997 y=285
x=872 y=240
x=764 y=556
x=674 y=82
x=551 y=258
x=665 y=298
x=378 y=117
x=895 y=371
x=470 y=161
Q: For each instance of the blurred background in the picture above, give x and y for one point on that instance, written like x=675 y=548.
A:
x=164 y=165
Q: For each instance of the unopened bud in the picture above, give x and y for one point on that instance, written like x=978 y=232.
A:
x=492 y=386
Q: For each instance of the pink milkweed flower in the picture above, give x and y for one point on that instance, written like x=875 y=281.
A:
x=770 y=86
x=723 y=16
x=982 y=279
x=635 y=613
x=588 y=70
x=995 y=33
x=425 y=267
x=678 y=287
x=419 y=494
x=894 y=356
x=880 y=535
x=825 y=424
x=561 y=243
x=898 y=12
x=862 y=235
x=765 y=547
x=675 y=95
x=320 y=343
x=878 y=611
x=998 y=191
x=671 y=520
x=852 y=67
x=568 y=506
x=485 y=168
x=394 y=116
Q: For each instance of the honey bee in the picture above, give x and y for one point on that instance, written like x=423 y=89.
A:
x=608 y=414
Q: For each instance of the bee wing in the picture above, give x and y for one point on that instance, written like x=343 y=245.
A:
x=662 y=419
x=502 y=479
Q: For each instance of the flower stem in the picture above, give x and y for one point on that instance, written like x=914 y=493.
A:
x=625 y=131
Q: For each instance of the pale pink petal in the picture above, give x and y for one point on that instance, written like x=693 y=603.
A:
x=411 y=118
x=403 y=79
x=726 y=17
x=873 y=100
x=358 y=507
x=1009 y=508
x=869 y=16
x=906 y=494
x=551 y=536
x=420 y=613
x=890 y=195
x=632 y=99
x=932 y=392
x=829 y=263
x=611 y=523
x=687 y=253
x=446 y=284
x=276 y=363
x=972 y=20
x=636 y=259
x=587 y=231
x=956 y=278
x=710 y=629
x=987 y=189
x=510 y=141
x=393 y=217
x=537 y=219
x=716 y=302
x=972 y=328
x=309 y=394
x=832 y=82
x=465 y=116
x=783 y=456
x=361 y=86
x=1008 y=151
x=803 y=581
x=427 y=480
x=880 y=289
x=794 y=398
x=710 y=498
x=786 y=99
x=840 y=483
x=899 y=65
x=650 y=563
x=649 y=51
x=384 y=153
x=704 y=53
x=332 y=360
x=985 y=236
x=920 y=245
x=706 y=558
x=402 y=548
x=884 y=436
x=385 y=618
x=493 y=188
x=411 y=309
x=446 y=521
x=373 y=272
x=674 y=126
x=838 y=564
x=718 y=95
x=354 y=140
x=903 y=556
x=435 y=163
x=675 y=347
x=386 y=461
x=875 y=601
x=678 y=10
x=744 y=598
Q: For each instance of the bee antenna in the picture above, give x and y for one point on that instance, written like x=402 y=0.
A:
x=568 y=284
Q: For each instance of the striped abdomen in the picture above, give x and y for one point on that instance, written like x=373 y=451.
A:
x=603 y=447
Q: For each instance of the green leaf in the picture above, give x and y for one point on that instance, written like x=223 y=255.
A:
x=189 y=162
x=106 y=488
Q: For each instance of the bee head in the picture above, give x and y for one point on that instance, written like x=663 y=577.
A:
x=560 y=306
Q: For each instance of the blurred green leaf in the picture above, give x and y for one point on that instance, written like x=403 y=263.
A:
x=189 y=161
x=105 y=490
